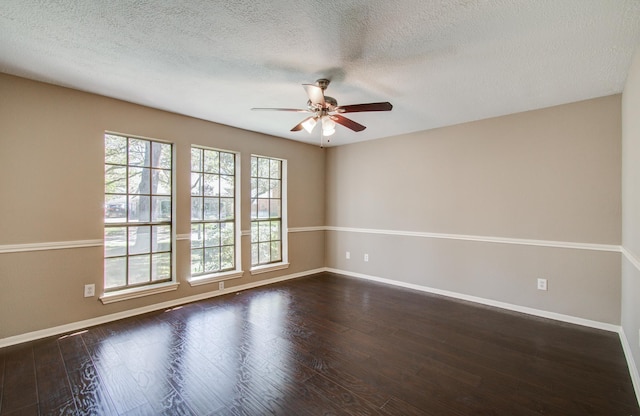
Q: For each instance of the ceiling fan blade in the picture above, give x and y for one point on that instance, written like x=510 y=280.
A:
x=297 y=110
x=308 y=124
x=356 y=108
x=315 y=93
x=350 y=124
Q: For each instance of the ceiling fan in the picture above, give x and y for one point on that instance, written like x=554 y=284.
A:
x=326 y=110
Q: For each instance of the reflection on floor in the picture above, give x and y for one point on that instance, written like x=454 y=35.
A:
x=319 y=345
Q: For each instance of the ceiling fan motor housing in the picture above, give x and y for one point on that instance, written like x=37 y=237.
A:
x=330 y=104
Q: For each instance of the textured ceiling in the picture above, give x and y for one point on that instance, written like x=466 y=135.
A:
x=438 y=62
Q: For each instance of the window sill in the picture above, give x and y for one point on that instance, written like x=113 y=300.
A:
x=138 y=292
x=215 y=277
x=269 y=268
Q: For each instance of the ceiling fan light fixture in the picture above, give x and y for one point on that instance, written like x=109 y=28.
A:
x=309 y=124
x=328 y=126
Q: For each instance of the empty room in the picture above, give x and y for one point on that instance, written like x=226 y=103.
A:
x=320 y=208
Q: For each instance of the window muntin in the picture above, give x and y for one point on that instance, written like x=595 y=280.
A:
x=266 y=210
x=138 y=212
x=213 y=211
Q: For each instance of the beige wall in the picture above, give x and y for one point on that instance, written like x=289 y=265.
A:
x=551 y=174
x=631 y=208
x=51 y=190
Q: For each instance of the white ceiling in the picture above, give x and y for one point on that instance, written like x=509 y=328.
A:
x=438 y=62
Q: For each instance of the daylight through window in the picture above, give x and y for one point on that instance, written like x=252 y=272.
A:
x=266 y=210
x=213 y=207
x=137 y=212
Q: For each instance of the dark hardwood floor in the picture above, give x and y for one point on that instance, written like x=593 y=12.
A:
x=322 y=345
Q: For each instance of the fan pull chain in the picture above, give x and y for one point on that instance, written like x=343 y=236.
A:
x=321 y=139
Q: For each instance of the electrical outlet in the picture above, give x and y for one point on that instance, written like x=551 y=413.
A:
x=89 y=290
x=220 y=285
x=366 y=257
x=542 y=284
x=347 y=255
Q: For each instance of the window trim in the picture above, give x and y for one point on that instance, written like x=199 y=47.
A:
x=237 y=272
x=150 y=288
x=284 y=217
x=138 y=292
x=271 y=267
x=215 y=277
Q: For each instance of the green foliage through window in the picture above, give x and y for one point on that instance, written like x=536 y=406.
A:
x=137 y=212
x=266 y=210
x=213 y=189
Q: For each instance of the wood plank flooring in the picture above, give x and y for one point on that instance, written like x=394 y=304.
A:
x=322 y=345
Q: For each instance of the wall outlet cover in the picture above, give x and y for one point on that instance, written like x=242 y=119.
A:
x=89 y=290
x=542 y=284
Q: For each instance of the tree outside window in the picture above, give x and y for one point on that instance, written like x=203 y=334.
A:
x=266 y=210
x=213 y=207
x=137 y=212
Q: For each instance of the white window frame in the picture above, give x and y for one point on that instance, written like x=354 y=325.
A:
x=284 y=232
x=237 y=272
x=151 y=288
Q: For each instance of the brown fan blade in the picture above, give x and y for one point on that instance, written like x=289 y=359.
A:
x=350 y=124
x=308 y=124
x=356 y=108
x=297 y=110
x=315 y=93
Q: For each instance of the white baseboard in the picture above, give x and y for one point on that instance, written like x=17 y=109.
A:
x=30 y=336
x=503 y=305
x=76 y=326
x=631 y=363
x=633 y=369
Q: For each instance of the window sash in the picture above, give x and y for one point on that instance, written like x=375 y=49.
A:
x=214 y=229
x=267 y=222
x=138 y=216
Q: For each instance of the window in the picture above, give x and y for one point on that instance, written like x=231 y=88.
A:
x=214 y=230
x=268 y=208
x=137 y=212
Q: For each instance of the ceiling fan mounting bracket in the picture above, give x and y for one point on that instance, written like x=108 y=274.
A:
x=322 y=83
